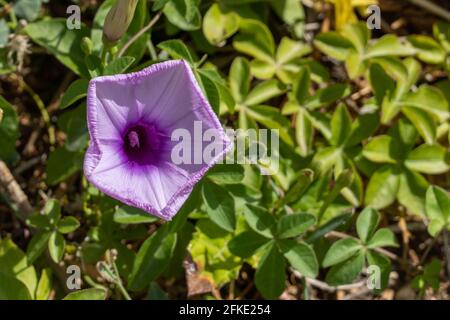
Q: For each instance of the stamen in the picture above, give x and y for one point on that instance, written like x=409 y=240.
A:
x=133 y=138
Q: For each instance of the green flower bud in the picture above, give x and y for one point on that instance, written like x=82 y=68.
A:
x=86 y=45
x=118 y=20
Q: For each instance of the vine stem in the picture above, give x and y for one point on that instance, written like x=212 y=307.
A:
x=433 y=8
x=40 y=104
x=138 y=34
x=119 y=283
x=341 y=235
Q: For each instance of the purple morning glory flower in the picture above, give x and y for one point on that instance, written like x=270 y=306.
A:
x=131 y=121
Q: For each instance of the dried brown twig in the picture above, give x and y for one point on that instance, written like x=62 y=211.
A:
x=14 y=193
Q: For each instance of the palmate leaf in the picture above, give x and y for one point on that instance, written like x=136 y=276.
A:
x=53 y=35
x=219 y=205
x=152 y=258
x=270 y=274
x=292 y=225
x=345 y=272
x=437 y=209
x=245 y=244
x=301 y=257
x=219 y=25
x=340 y=251
x=209 y=248
x=367 y=223
x=382 y=188
x=260 y=221
x=184 y=14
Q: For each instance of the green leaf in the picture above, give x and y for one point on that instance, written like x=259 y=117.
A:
x=239 y=79
x=382 y=188
x=304 y=132
x=301 y=257
x=210 y=89
x=37 y=245
x=14 y=263
x=333 y=45
x=264 y=91
x=292 y=225
x=366 y=224
x=303 y=180
x=382 y=85
x=389 y=45
x=184 y=14
x=245 y=244
x=209 y=251
x=219 y=206
x=53 y=210
x=4 y=33
x=76 y=91
x=437 y=209
x=177 y=50
x=73 y=123
x=87 y=294
x=423 y=122
x=362 y=128
x=289 y=50
x=431 y=100
x=329 y=226
x=56 y=246
x=53 y=35
x=68 y=225
x=430 y=159
x=44 y=285
x=301 y=85
x=270 y=274
x=260 y=220
x=384 y=265
x=340 y=124
x=340 y=251
x=152 y=258
x=12 y=289
x=358 y=34
x=382 y=238
x=326 y=96
x=411 y=192
x=27 y=9
x=291 y=12
x=255 y=39
x=271 y=118
x=119 y=65
x=226 y=173
x=428 y=50
x=61 y=164
x=347 y=271
x=219 y=25
x=38 y=221
x=379 y=150
x=438 y=203
x=441 y=31
x=159 y=4
x=9 y=131
x=131 y=215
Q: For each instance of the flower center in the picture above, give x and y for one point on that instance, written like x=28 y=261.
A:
x=133 y=139
x=143 y=143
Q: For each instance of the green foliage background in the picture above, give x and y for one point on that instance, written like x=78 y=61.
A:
x=364 y=146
